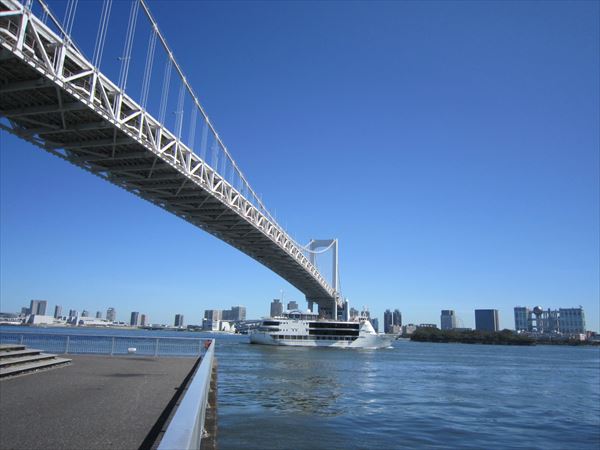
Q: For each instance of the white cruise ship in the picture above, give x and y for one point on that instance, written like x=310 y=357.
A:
x=304 y=329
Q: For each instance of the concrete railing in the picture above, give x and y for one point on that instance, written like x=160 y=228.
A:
x=186 y=429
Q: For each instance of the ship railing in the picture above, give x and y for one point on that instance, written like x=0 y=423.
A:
x=106 y=345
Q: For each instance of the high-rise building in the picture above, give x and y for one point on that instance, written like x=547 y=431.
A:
x=353 y=313
x=292 y=305
x=571 y=320
x=178 y=320
x=276 y=308
x=486 y=320
x=73 y=313
x=57 y=311
x=448 y=319
x=25 y=311
x=238 y=313
x=550 y=321
x=111 y=314
x=85 y=313
x=392 y=321
x=213 y=314
x=38 y=307
x=135 y=319
x=98 y=314
x=375 y=323
x=144 y=320
x=388 y=321
x=522 y=318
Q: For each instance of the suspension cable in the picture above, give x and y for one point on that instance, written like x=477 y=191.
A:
x=179 y=112
x=126 y=58
x=148 y=69
x=165 y=91
x=101 y=34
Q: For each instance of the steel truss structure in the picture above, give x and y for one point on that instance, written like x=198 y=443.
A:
x=53 y=97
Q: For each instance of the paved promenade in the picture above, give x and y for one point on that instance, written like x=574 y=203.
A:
x=98 y=402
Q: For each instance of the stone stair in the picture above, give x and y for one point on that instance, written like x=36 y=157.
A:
x=17 y=360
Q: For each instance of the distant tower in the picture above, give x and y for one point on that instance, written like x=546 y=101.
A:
x=388 y=321
x=111 y=314
x=397 y=320
x=179 y=320
x=522 y=318
x=135 y=319
x=85 y=313
x=448 y=319
x=57 y=311
x=375 y=323
x=292 y=305
x=144 y=320
x=486 y=320
x=276 y=308
x=38 y=307
x=98 y=314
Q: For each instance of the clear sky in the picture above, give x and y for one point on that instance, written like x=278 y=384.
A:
x=452 y=147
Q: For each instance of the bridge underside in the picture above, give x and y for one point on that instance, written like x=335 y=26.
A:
x=48 y=113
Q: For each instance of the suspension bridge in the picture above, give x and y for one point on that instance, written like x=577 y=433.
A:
x=55 y=97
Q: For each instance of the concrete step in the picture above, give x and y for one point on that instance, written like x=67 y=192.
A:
x=33 y=366
x=11 y=347
x=19 y=353
x=5 y=362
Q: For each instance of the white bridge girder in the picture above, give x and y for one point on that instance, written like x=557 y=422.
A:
x=53 y=97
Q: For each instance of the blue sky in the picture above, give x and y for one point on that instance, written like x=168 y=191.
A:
x=452 y=147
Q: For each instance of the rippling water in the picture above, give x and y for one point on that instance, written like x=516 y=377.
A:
x=414 y=395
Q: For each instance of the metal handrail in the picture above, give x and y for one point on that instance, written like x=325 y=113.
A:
x=67 y=343
x=187 y=426
x=33 y=333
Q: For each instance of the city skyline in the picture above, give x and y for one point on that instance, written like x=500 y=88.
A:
x=488 y=148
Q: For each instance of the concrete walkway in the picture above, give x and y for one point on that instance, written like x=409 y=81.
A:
x=98 y=402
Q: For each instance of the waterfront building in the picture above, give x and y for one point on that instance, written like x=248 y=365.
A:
x=25 y=311
x=236 y=313
x=487 y=320
x=144 y=320
x=111 y=314
x=179 y=320
x=522 y=318
x=392 y=321
x=276 y=308
x=375 y=323
x=550 y=321
x=387 y=321
x=409 y=329
x=448 y=319
x=38 y=307
x=57 y=311
x=353 y=313
x=85 y=313
x=213 y=314
x=572 y=320
x=135 y=319
x=98 y=314
x=292 y=305
x=427 y=325
x=73 y=313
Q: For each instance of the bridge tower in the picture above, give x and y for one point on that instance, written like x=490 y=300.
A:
x=328 y=306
